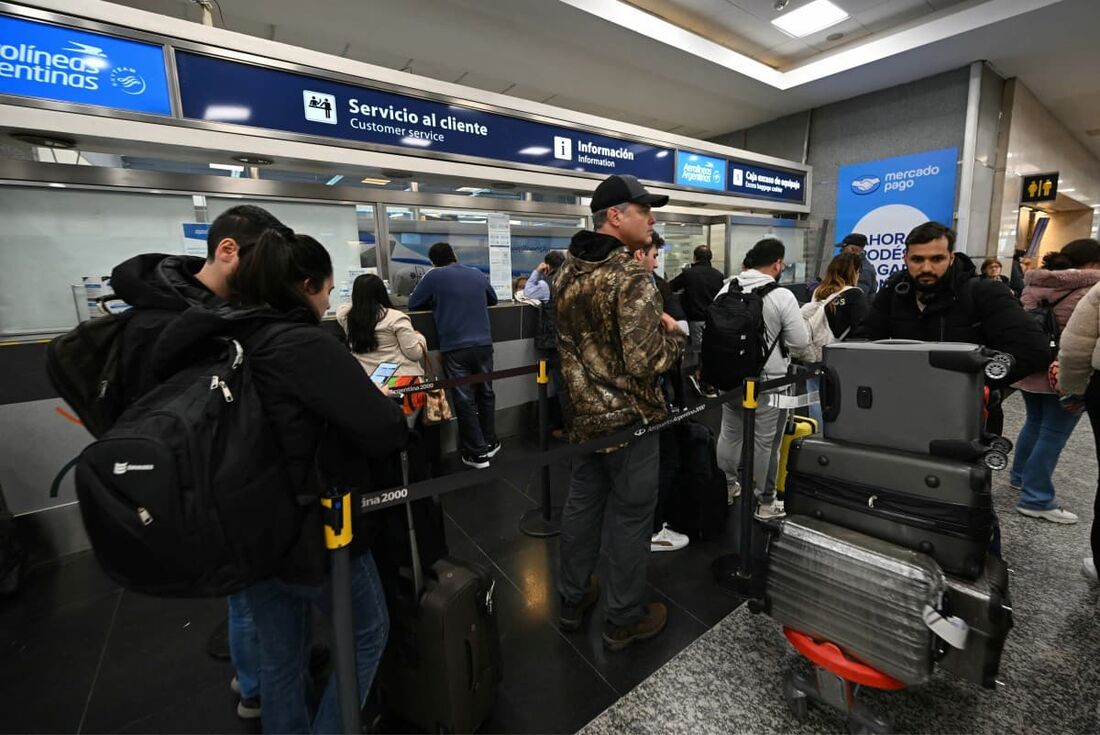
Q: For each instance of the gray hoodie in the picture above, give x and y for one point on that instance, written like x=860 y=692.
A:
x=781 y=317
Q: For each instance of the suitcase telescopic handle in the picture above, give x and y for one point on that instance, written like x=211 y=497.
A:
x=830 y=394
x=414 y=548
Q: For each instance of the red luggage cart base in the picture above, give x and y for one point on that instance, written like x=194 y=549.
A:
x=836 y=684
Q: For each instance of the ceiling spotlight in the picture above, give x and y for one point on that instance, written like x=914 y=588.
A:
x=396 y=174
x=46 y=141
x=781 y=4
x=253 y=160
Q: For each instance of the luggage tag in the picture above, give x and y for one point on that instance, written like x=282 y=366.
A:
x=951 y=629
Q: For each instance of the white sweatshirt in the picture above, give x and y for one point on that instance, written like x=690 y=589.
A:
x=781 y=317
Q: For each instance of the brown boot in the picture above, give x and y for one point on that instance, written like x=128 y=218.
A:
x=572 y=616
x=618 y=637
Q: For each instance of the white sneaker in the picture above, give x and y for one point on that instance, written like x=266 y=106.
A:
x=768 y=511
x=1088 y=569
x=733 y=489
x=667 y=540
x=1054 y=515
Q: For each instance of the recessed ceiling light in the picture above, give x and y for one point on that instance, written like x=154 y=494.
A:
x=834 y=36
x=394 y=173
x=376 y=182
x=254 y=160
x=810 y=18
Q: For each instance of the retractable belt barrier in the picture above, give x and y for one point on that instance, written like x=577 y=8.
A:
x=380 y=499
x=465 y=380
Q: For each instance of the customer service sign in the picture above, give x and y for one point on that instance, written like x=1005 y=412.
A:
x=885 y=199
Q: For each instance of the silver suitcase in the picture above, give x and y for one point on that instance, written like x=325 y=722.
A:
x=877 y=394
x=869 y=597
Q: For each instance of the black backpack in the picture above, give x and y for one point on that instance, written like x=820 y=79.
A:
x=83 y=365
x=734 y=341
x=1044 y=316
x=185 y=495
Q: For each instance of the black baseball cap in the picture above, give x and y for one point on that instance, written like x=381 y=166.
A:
x=856 y=238
x=623 y=188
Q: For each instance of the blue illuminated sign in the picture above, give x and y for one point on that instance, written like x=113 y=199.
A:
x=702 y=172
x=885 y=199
x=217 y=90
x=58 y=63
x=762 y=182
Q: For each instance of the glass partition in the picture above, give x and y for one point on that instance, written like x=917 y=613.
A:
x=412 y=230
x=744 y=236
x=55 y=238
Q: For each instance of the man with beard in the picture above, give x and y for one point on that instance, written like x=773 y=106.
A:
x=940 y=298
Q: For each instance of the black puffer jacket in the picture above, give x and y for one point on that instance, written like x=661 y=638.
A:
x=700 y=283
x=159 y=288
x=328 y=417
x=963 y=308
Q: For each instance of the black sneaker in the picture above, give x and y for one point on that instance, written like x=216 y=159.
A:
x=477 y=461
x=572 y=616
x=493 y=449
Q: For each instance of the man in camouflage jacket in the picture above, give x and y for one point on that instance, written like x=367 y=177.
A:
x=614 y=342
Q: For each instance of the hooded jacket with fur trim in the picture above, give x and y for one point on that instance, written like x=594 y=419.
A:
x=1064 y=289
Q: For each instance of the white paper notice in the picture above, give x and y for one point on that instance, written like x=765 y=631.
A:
x=500 y=255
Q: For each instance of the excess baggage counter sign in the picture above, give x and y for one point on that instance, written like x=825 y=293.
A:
x=886 y=199
x=217 y=90
x=45 y=61
x=762 y=182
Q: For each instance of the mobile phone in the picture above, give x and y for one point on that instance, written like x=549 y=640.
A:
x=383 y=372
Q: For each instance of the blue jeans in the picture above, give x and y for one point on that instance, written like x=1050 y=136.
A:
x=244 y=645
x=282 y=613
x=475 y=405
x=1046 y=431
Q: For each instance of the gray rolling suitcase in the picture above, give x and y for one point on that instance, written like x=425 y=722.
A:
x=924 y=397
x=939 y=506
x=867 y=596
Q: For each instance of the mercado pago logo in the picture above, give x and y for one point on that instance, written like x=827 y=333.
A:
x=74 y=65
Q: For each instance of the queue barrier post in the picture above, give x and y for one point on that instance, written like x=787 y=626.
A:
x=337 y=508
x=540 y=522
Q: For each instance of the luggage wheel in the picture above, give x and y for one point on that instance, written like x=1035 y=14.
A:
x=995 y=460
x=1000 y=444
x=834 y=692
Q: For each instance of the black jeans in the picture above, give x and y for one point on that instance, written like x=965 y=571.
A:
x=475 y=405
x=1092 y=405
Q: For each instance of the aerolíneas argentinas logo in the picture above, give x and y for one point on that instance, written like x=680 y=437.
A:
x=76 y=65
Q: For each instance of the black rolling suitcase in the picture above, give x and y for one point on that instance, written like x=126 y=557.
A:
x=697 y=501
x=870 y=396
x=442 y=665
x=941 y=507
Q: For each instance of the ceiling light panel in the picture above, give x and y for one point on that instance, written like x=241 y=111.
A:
x=809 y=19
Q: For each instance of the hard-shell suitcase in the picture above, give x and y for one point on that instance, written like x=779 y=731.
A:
x=797 y=427
x=442 y=665
x=941 y=507
x=923 y=397
x=867 y=596
x=986 y=607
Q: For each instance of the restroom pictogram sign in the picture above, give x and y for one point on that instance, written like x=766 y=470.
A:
x=1039 y=188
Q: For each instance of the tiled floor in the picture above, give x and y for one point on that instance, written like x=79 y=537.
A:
x=77 y=654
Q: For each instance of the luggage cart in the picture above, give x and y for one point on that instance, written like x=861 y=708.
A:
x=837 y=681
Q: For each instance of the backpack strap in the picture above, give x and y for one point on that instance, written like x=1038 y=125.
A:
x=55 y=486
x=762 y=292
x=829 y=299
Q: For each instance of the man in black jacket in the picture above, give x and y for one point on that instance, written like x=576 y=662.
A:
x=700 y=283
x=159 y=289
x=939 y=298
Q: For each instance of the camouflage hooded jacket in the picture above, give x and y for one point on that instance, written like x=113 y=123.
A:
x=610 y=338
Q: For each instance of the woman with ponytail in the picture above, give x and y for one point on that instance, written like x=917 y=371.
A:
x=1064 y=279
x=329 y=420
